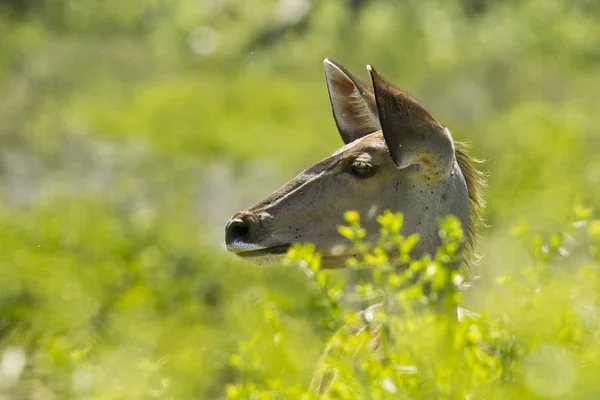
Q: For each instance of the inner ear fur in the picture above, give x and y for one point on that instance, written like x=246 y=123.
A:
x=412 y=134
x=352 y=102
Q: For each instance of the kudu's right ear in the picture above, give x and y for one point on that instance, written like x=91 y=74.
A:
x=352 y=101
x=412 y=134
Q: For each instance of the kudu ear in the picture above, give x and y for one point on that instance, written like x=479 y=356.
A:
x=352 y=101
x=412 y=133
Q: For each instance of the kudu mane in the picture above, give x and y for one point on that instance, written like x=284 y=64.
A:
x=475 y=180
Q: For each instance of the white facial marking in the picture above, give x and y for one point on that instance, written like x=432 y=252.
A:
x=307 y=175
x=372 y=211
x=337 y=250
x=238 y=247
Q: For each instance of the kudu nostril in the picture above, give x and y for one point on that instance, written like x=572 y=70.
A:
x=236 y=229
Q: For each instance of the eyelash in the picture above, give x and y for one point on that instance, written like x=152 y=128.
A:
x=366 y=170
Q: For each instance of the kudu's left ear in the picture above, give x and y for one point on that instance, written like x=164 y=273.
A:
x=352 y=101
x=412 y=134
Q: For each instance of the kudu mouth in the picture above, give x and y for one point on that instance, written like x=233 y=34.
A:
x=240 y=234
x=267 y=251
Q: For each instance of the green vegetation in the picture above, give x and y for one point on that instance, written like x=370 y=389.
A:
x=536 y=336
x=131 y=132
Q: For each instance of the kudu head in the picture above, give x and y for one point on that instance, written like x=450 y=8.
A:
x=396 y=157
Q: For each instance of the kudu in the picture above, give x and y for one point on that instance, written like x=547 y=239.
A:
x=397 y=157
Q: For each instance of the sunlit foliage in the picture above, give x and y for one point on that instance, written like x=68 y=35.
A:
x=131 y=131
x=536 y=335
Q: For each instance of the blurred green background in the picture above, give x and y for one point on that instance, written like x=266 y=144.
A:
x=131 y=131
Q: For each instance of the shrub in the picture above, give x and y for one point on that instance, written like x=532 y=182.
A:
x=535 y=334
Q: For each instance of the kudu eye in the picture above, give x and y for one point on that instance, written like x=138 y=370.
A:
x=362 y=169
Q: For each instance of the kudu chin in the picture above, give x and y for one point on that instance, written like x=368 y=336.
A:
x=397 y=156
